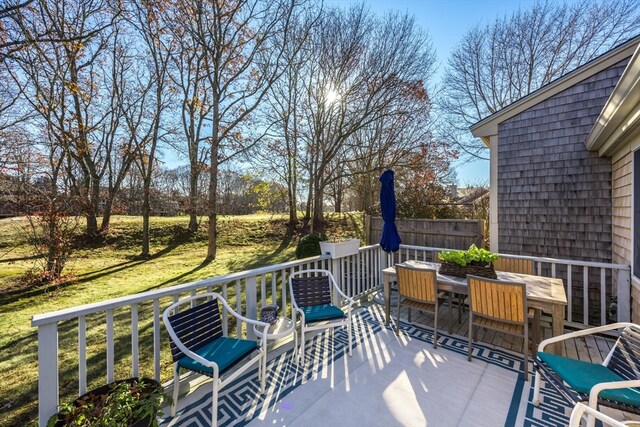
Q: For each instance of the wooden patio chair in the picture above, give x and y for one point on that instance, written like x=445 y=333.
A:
x=615 y=383
x=312 y=293
x=199 y=344
x=514 y=265
x=418 y=289
x=500 y=306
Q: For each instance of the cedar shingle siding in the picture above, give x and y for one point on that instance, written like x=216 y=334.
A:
x=554 y=196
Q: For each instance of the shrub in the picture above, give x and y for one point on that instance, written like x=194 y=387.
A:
x=309 y=245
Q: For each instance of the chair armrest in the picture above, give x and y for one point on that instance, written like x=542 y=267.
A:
x=598 y=388
x=582 y=333
x=581 y=409
x=258 y=323
x=343 y=295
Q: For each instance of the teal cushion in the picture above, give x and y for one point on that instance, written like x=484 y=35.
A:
x=315 y=313
x=223 y=351
x=582 y=376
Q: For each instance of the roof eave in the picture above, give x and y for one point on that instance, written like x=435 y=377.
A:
x=621 y=114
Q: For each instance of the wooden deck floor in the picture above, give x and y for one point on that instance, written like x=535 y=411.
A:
x=591 y=349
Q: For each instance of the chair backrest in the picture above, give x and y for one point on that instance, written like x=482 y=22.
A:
x=418 y=284
x=196 y=326
x=624 y=359
x=513 y=265
x=498 y=300
x=312 y=287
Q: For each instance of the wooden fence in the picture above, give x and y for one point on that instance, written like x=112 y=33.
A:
x=439 y=233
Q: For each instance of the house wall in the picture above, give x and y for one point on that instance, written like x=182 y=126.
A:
x=622 y=228
x=554 y=196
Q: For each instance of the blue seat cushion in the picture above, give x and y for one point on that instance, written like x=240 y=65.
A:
x=223 y=351
x=316 y=313
x=582 y=376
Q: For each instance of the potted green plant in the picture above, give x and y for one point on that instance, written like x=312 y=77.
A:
x=475 y=261
x=134 y=402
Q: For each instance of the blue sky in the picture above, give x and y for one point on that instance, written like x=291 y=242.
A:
x=446 y=21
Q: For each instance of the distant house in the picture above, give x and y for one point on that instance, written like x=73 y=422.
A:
x=565 y=169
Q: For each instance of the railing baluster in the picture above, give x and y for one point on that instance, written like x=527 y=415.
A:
x=603 y=297
x=225 y=315
x=284 y=287
x=274 y=293
x=48 y=391
x=156 y=339
x=585 y=295
x=252 y=304
x=82 y=355
x=539 y=268
x=553 y=269
x=193 y=294
x=239 y=307
x=569 y=293
x=359 y=265
x=263 y=290
x=134 y=340
x=110 y=347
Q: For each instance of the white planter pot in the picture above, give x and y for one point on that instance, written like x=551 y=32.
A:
x=340 y=249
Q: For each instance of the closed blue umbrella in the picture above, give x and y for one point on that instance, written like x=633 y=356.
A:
x=390 y=240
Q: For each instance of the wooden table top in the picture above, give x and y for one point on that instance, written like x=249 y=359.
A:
x=539 y=288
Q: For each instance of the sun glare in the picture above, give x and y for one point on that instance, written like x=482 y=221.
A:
x=332 y=96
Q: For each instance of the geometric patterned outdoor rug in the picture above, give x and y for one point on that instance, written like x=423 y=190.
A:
x=241 y=403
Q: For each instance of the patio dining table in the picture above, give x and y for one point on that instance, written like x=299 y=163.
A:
x=544 y=293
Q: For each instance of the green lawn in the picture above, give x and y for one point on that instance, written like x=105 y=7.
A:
x=110 y=269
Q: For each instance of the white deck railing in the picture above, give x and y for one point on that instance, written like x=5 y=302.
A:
x=357 y=274
x=581 y=277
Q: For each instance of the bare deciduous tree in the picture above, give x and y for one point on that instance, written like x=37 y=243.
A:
x=241 y=62
x=499 y=63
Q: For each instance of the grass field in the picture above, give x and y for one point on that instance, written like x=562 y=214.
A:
x=111 y=269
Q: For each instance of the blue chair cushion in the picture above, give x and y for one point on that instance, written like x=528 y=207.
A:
x=316 y=313
x=223 y=351
x=582 y=376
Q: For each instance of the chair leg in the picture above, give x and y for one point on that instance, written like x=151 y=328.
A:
x=302 y=358
x=469 y=346
x=536 y=389
x=435 y=328
x=350 y=332
x=214 y=404
x=451 y=309
x=525 y=350
x=263 y=368
x=176 y=389
x=398 y=314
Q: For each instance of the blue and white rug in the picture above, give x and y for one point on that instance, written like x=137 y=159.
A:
x=388 y=381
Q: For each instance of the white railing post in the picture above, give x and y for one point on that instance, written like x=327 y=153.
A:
x=336 y=270
x=252 y=304
x=47 y=372
x=623 y=292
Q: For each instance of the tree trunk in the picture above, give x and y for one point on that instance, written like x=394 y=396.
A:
x=146 y=213
x=193 y=200
x=213 y=215
x=338 y=206
x=106 y=215
x=92 y=222
x=317 y=225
